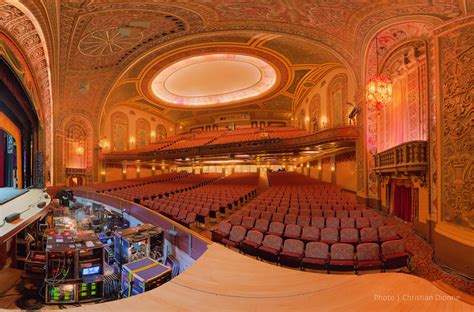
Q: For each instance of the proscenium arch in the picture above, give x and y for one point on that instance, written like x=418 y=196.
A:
x=104 y=109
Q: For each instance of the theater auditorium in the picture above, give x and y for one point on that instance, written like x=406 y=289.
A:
x=237 y=155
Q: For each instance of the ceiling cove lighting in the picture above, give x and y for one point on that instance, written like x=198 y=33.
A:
x=213 y=79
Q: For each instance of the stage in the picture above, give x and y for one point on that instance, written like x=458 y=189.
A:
x=9 y=193
x=27 y=204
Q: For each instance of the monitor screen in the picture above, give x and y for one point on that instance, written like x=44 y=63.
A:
x=91 y=270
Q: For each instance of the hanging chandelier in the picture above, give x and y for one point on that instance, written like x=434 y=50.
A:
x=379 y=88
x=379 y=91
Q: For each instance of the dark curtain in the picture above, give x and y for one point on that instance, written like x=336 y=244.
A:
x=403 y=203
x=2 y=158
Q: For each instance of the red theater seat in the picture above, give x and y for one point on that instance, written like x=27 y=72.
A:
x=292 y=253
x=236 y=236
x=316 y=256
x=368 y=257
x=270 y=249
x=252 y=242
x=342 y=257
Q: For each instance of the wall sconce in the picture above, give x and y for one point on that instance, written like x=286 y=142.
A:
x=104 y=143
x=324 y=121
x=153 y=168
x=333 y=166
x=138 y=169
x=307 y=165
x=306 y=119
x=153 y=135
x=319 y=167
x=102 y=172
x=79 y=150
x=124 y=171
x=131 y=140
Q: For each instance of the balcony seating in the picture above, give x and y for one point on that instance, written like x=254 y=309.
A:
x=394 y=255
x=270 y=249
x=368 y=257
x=292 y=253
x=252 y=242
x=316 y=256
x=342 y=257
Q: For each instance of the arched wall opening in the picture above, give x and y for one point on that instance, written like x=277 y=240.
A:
x=19 y=123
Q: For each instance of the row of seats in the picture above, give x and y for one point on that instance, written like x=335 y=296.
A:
x=298 y=214
x=158 y=190
x=125 y=184
x=302 y=220
x=309 y=233
x=318 y=255
x=210 y=201
x=362 y=212
x=202 y=138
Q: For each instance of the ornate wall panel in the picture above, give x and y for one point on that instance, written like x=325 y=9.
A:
x=119 y=132
x=336 y=100
x=142 y=132
x=456 y=63
x=314 y=112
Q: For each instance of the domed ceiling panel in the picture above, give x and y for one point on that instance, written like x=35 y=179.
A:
x=214 y=79
x=217 y=76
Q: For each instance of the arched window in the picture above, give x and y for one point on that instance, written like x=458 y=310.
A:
x=119 y=132
x=161 y=133
x=142 y=132
x=76 y=147
x=405 y=118
x=314 y=112
x=337 y=99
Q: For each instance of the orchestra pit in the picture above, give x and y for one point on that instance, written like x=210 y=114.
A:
x=224 y=155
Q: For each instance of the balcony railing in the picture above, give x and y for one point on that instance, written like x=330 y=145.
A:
x=343 y=134
x=409 y=157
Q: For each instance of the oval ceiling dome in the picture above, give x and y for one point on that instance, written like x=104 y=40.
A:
x=213 y=79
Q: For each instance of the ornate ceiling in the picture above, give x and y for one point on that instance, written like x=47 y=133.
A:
x=95 y=46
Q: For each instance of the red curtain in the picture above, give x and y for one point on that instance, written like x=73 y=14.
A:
x=403 y=203
x=2 y=158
